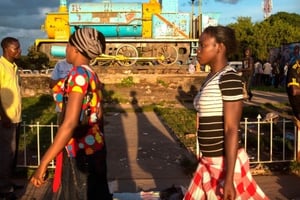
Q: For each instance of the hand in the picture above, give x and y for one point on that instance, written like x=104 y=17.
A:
x=39 y=176
x=229 y=192
x=297 y=122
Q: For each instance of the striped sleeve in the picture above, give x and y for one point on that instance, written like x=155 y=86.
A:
x=231 y=86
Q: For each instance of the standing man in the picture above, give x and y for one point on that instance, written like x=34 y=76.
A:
x=293 y=90
x=267 y=73
x=275 y=73
x=60 y=72
x=10 y=113
x=247 y=71
x=293 y=85
x=258 y=73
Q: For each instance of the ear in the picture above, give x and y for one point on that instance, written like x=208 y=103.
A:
x=221 y=48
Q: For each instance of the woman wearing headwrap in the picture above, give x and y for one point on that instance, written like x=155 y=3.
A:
x=79 y=143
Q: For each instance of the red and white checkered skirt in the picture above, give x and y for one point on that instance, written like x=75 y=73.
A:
x=208 y=180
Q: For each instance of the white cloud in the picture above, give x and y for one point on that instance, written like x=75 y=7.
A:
x=25 y=36
x=23 y=18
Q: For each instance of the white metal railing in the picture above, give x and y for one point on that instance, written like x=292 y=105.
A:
x=33 y=158
x=283 y=132
x=257 y=138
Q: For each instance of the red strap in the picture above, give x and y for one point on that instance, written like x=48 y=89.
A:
x=57 y=173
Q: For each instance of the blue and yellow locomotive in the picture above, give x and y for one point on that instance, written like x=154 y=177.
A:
x=135 y=32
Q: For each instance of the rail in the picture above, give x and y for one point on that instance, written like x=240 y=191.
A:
x=266 y=141
x=269 y=140
x=30 y=146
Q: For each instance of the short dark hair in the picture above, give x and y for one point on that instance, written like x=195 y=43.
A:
x=225 y=35
x=7 y=41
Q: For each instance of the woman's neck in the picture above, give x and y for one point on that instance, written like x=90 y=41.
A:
x=217 y=69
x=218 y=66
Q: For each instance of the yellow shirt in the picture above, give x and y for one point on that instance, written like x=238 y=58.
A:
x=10 y=91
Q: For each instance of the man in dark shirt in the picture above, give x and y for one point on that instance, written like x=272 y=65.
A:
x=293 y=85
x=247 y=71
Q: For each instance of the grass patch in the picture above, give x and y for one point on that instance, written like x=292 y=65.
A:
x=38 y=109
x=182 y=122
x=112 y=97
x=127 y=82
x=162 y=83
x=269 y=89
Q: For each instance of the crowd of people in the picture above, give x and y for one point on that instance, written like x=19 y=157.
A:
x=269 y=74
x=79 y=145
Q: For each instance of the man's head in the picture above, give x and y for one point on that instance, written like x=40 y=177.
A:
x=11 y=48
x=296 y=49
x=247 y=52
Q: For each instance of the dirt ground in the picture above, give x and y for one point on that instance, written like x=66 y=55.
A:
x=147 y=93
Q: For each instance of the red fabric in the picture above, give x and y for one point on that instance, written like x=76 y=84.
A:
x=208 y=180
x=57 y=173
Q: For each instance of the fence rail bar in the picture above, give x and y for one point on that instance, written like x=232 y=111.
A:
x=35 y=129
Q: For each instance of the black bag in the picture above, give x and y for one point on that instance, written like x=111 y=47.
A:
x=171 y=193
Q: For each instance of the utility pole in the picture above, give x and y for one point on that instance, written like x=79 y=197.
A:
x=193 y=27
x=196 y=34
x=267 y=6
x=200 y=17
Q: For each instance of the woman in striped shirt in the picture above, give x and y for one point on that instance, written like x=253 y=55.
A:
x=223 y=170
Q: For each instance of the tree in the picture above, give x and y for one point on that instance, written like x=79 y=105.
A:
x=276 y=30
x=22 y=62
x=38 y=60
x=244 y=32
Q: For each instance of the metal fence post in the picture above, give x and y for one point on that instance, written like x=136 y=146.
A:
x=246 y=119
x=297 y=136
x=271 y=139
x=38 y=142
x=258 y=137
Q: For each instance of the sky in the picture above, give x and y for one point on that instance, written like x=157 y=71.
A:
x=23 y=18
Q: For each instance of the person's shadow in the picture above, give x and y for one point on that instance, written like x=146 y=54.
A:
x=118 y=165
x=186 y=97
x=156 y=162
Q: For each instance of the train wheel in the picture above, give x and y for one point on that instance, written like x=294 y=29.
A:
x=125 y=55
x=104 y=63
x=167 y=55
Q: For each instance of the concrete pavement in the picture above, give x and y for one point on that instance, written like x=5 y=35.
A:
x=280 y=187
x=262 y=97
x=142 y=154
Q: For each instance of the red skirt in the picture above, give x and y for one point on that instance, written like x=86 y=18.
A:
x=208 y=180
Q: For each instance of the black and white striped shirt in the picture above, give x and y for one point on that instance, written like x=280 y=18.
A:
x=226 y=85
